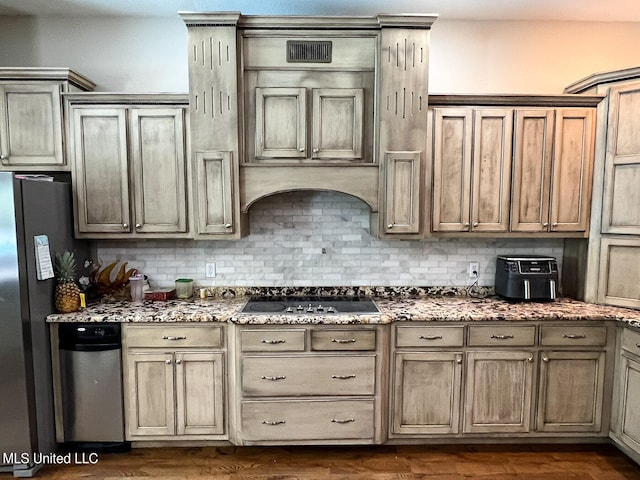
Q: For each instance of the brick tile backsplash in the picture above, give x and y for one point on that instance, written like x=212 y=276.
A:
x=289 y=233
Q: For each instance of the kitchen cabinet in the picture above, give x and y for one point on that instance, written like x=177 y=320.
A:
x=426 y=381
x=499 y=391
x=402 y=193
x=174 y=382
x=216 y=193
x=619 y=276
x=621 y=198
x=31 y=117
x=472 y=169
x=625 y=429
x=309 y=384
x=130 y=166
x=334 y=125
x=552 y=170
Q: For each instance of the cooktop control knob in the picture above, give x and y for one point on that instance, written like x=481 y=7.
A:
x=320 y=308
x=299 y=308
x=309 y=309
x=331 y=310
x=289 y=310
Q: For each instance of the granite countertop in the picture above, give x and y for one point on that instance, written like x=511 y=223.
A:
x=427 y=309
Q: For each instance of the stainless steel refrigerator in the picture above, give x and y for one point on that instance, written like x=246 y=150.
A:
x=28 y=208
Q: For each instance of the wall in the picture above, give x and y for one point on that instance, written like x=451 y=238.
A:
x=149 y=54
x=288 y=234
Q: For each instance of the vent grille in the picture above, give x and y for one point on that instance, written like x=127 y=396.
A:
x=308 y=51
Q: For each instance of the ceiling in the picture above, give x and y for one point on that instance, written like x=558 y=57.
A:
x=562 y=10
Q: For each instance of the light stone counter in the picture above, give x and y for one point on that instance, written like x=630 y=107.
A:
x=424 y=309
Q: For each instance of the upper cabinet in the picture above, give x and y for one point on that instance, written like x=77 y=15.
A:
x=621 y=199
x=130 y=169
x=31 y=117
x=512 y=165
x=552 y=170
x=472 y=169
x=309 y=103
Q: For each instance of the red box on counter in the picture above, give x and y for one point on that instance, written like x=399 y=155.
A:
x=160 y=294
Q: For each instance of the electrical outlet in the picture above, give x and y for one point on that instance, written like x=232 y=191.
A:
x=474 y=269
x=210 y=269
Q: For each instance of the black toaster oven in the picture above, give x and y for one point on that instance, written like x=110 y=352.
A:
x=526 y=277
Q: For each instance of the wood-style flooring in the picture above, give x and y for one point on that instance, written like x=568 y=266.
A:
x=485 y=462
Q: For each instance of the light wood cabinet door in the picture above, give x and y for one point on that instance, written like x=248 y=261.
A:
x=570 y=392
x=281 y=123
x=491 y=170
x=401 y=202
x=31 y=127
x=629 y=407
x=619 y=278
x=158 y=169
x=532 y=159
x=215 y=197
x=426 y=393
x=199 y=393
x=499 y=389
x=150 y=394
x=452 y=147
x=336 y=123
x=621 y=200
x=101 y=180
x=572 y=170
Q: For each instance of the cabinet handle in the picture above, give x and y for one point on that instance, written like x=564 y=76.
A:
x=273 y=379
x=502 y=337
x=173 y=338
x=168 y=362
x=178 y=362
x=344 y=377
x=571 y=336
x=346 y=420
x=273 y=342
x=227 y=225
x=545 y=359
x=430 y=337
x=273 y=422
x=138 y=225
x=337 y=340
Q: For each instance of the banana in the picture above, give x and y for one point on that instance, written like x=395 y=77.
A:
x=120 y=277
x=104 y=277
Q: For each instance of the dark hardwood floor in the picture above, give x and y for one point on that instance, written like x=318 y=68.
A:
x=485 y=462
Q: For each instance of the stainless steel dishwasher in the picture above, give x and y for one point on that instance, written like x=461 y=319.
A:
x=91 y=384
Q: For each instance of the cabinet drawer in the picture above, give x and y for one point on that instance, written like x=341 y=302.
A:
x=568 y=336
x=174 y=336
x=307 y=420
x=308 y=375
x=501 y=336
x=272 y=340
x=343 y=339
x=631 y=341
x=418 y=336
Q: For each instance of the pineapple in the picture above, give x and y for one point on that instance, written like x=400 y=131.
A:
x=67 y=296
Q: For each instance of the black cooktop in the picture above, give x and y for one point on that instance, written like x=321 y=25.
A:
x=310 y=304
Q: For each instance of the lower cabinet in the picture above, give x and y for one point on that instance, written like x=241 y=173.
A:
x=310 y=384
x=626 y=414
x=173 y=391
x=488 y=381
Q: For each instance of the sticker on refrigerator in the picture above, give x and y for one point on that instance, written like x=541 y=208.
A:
x=44 y=267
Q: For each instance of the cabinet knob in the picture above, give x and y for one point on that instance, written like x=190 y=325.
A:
x=316 y=150
x=178 y=362
x=545 y=224
x=301 y=150
x=466 y=225
x=545 y=359
x=227 y=225
x=458 y=359
x=390 y=226
x=125 y=225
x=168 y=362
x=475 y=224
x=555 y=224
x=138 y=225
x=530 y=359
x=4 y=159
